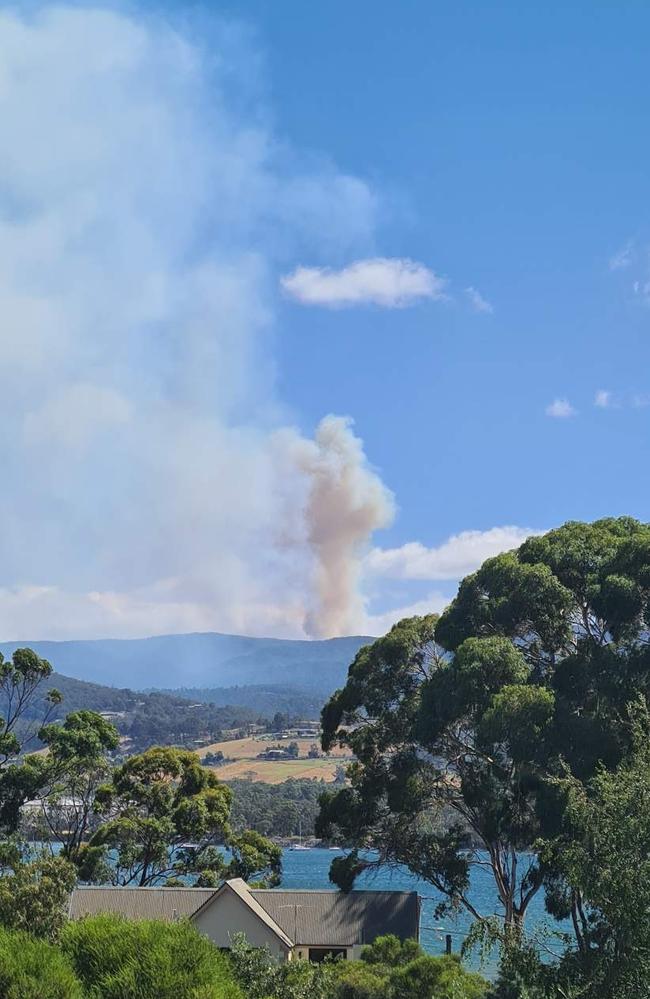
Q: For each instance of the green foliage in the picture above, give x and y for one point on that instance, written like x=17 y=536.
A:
x=21 y=680
x=154 y=718
x=166 y=817
x=67 y=777
x=262 y=977
x=388 y=969
x=602 y=856
x=534 y=667
x=116 y=959
x=34 y=894
x=157 y=803
x=255 y=858
x=34 y=969
x=356 y=980
x=276 y=809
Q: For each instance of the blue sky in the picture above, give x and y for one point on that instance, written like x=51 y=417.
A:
x=222 y=226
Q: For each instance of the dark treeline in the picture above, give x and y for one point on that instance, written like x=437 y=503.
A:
x=277 y=809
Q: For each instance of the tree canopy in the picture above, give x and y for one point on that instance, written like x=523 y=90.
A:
x=532 y=671
x=163 y=815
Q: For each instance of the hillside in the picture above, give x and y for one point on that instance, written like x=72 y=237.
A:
x=263 y=699
x=201 y=660
x=147 y=719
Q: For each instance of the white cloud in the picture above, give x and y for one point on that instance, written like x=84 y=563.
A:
x=477 y=302
x=560 y=409
x=622 y=258
x=603 y=399
x=456 y=557
x=153 y=480
x=389 y=282
x=379 y=624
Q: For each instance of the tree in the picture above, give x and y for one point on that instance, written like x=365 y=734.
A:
x=34 y=969
x=21 y=681
x=293 y=750
x=165 y=816
x=458 y=723
x=34 y=893
x=392 y=969
x=118 y=959
x=254 y=858
x=67 y=777
x=602 y=854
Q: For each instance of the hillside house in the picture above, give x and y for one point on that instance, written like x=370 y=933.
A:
x=294 y=925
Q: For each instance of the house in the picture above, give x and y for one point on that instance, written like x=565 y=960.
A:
x=273 y=754
x=303 y=925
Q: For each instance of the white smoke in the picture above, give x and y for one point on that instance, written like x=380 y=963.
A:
x=152 y=480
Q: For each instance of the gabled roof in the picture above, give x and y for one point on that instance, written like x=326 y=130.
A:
x=243 y=892
x=166 y=904
x=315 y=918
x=334 y=918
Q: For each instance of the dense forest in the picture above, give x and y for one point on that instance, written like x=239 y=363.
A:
x=286 y=809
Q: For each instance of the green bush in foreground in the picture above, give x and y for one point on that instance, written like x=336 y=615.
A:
x=116 y=959
x=34 y=969
x=388 y=969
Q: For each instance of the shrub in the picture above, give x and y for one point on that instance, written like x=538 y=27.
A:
x=360 y=980
x=34 y=969
x=116 y=959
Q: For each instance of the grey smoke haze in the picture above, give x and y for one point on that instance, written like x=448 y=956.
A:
x=153 y=481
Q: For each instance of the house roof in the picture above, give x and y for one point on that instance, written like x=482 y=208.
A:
x=333 y=918
x=241 y=889
x=314 y=918
x=138 y=903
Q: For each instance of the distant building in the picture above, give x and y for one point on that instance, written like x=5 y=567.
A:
x=273 y=754
x=294 y=925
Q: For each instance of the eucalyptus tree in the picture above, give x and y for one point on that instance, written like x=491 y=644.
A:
x=162 y=816
x=459 y=723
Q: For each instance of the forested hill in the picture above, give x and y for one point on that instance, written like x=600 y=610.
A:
x=201 y=660
x=263 y=699
x=148 y=719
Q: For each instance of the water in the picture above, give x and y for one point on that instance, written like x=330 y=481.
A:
x=310 y=869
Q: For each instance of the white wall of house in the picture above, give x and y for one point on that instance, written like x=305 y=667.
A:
x=228 y=915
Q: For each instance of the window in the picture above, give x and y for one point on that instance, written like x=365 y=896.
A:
x=318 y=954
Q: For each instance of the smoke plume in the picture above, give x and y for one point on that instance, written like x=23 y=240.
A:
x=153 y=480
x=347 y=502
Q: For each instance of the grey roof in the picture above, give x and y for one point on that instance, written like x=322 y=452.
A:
x=331 y=918
x=138 y=903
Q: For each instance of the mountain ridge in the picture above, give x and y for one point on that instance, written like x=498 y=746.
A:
x=200 y=659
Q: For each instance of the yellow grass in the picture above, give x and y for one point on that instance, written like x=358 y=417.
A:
x=248 y=749
x=244 y=752
x=276 y=772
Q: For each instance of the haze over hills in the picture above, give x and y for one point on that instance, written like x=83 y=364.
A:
x=201 y=660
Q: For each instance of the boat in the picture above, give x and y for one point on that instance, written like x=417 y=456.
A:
x=299 y=845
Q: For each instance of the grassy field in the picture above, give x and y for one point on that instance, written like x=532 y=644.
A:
x=244 y=752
